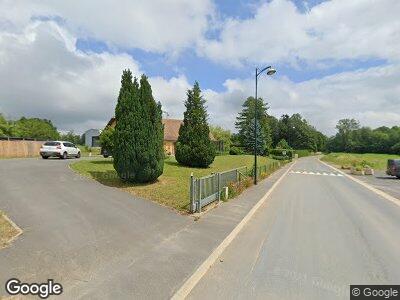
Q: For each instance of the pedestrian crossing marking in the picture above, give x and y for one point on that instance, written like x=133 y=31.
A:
x=317 y=173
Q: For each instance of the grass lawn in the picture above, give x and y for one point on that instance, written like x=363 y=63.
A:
x=85 y=151
x=7 y=231
x=171 y=188
x=376 y=161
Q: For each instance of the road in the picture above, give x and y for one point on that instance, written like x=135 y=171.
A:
x=317 y=234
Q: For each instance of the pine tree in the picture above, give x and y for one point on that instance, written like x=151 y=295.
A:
x=194 y=147
x=245 y=121
x=138 y=137
x=261 y=140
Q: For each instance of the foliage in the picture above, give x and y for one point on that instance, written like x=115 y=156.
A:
x=221 y=134
x=5 y=127
x=302 y=152
x=374 y=160
x=236 y=151
x=298 y=133
x=281 y=152
x=355 y=139
x=107 y=139
x=249 y=139
x=71 y=137
x=236 y=188
x=294 y=129
x=35 y=128
x=245 y=125
x=280 y=157
x=138 y=138
x=282 y=144
x=194 y=147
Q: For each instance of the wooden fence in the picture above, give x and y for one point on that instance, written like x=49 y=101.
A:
x=19 y=148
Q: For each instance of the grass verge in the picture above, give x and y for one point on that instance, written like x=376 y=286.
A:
x=376 y=161
x=172 y=187
x=7 y=231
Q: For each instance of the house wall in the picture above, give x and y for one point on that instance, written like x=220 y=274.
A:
x=169 y=147
x=89 y=134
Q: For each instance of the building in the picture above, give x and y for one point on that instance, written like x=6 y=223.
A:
x=92 y=138
x=171 y=134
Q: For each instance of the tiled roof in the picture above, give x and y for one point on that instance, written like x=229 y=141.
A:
x=171 y=128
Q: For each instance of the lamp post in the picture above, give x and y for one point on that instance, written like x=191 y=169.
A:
x=270 y=71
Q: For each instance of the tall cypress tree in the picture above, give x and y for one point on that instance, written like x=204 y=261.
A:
x=138 y=138
x=194 y=147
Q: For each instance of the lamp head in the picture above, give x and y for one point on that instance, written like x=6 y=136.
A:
x=271 y=71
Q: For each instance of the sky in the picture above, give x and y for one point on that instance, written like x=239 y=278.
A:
x=62 y=60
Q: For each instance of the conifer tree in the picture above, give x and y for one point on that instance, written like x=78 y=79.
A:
x=138 y=137
x=194 y=147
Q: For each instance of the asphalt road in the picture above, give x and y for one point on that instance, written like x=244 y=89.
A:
x=317 y=234
x=81 y=233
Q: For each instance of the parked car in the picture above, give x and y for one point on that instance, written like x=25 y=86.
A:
x=393 y=167
x=59 y=149
x=105 y=152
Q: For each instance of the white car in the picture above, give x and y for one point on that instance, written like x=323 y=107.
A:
x=59 y=149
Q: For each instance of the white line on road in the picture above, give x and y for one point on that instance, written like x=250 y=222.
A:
x=371 y=188
x=316 y=173
x=192 y=281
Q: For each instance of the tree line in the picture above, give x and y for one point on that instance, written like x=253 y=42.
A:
x=288 y=131
x=36 y=128
x=351 y=137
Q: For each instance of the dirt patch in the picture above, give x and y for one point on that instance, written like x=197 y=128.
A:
x=8 y=230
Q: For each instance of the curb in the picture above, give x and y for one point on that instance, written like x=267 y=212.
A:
x=366 y=185
x=192 y=281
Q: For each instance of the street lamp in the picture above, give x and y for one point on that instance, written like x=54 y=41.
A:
x=270 y=71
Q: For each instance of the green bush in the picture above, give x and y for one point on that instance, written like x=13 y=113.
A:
x=107 y=139
x=282 y=144
x=280 y=157
x=194 y=147
x=235 y=151
x=302 y=152
x=281 y=152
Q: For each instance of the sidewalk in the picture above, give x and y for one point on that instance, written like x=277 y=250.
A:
x=159 y=273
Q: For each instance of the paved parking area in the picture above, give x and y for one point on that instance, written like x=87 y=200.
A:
x=383 y=182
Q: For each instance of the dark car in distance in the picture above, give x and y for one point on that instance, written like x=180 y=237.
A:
x=393 y=167
x=105 y=152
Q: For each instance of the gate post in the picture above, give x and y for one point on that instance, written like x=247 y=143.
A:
x=219 y=186
x=199 y=199
x=191 y=193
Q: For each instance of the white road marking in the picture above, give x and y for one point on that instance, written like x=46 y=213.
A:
x=316 y=173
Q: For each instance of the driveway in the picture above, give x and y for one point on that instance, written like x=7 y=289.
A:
x=75 y=230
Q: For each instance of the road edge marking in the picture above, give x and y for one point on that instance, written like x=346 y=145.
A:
x=366 y=185
x=192 y=281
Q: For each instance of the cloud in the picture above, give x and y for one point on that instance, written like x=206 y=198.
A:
x=157 y=25
x=372 y=96
x=333 y=30
x=43 y=74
